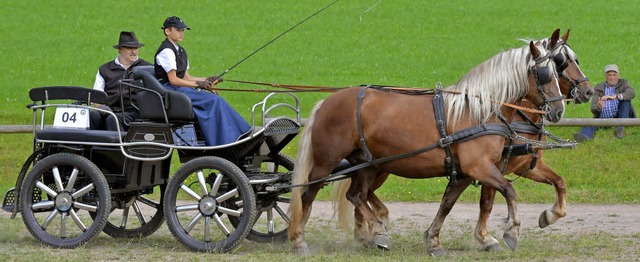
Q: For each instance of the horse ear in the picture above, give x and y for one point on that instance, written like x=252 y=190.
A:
x=535 y=53
x=566 y=35
x=554 y=38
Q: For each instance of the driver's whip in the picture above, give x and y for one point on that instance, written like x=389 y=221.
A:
x=276 y=38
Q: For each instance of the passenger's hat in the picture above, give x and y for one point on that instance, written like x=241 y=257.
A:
x=612 y=67
x=128 y=39
x=175 y=22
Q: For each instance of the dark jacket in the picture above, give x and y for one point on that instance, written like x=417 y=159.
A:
x=112 y=73
x=622 y=87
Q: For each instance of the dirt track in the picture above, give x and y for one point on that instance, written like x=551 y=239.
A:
x=581 y=218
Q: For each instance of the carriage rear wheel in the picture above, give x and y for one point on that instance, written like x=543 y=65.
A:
x=272 y=220
x=201 y=197
x=136 y=216
x=57 y=197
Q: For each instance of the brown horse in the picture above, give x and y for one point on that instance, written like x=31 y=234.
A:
x=573 y=84
x=366 y=126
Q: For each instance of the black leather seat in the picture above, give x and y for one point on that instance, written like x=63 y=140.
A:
x=154 y=101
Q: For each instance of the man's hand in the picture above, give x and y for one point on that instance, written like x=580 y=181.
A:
x=204 y=84
x=214 y=79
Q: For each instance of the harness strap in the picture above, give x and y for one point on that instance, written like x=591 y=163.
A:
x=441 y=123
x=363 y=142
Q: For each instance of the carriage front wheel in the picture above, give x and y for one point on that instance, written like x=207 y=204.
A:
x=57 y=197
x=201 y=197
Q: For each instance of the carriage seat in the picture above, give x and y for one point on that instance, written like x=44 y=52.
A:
x=80 y=135
x=154 y=102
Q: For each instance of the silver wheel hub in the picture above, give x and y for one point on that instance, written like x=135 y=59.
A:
x=208 y=205
x=64 y=201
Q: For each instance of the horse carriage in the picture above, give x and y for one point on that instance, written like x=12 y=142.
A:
x=83 y=182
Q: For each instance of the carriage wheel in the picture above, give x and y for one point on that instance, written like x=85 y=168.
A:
x=138 y=217
x=272 y=220
x=57 y=197
x=201 y=197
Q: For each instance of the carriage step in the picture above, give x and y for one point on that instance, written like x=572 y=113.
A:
x=9 y=200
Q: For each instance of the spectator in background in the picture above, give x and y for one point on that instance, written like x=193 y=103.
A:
x=107 y=80
x=611 y=99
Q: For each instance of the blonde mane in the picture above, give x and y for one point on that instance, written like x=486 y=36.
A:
x=502 y=78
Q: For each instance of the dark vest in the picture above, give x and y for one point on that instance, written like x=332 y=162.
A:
x=181 y=61
x=112 y=73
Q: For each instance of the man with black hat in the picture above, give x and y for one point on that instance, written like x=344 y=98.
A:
x=219 y=122
x=107 y=80
x=611 y=99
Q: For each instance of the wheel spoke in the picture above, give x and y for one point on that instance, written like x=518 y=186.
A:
x=282 y=213
x=47 y=189
x=190 y=192
x=42 y=205
x=139 y=213
x=193 y=223
x=50 y=218
x=221 y=225
x=202 y=182
x=183 y=208
x=72 y=179
x=63 y=225
x=83 y=206
x=207 y=229
x=57 y=179
x=76 y=219
x=230 y=212
x=125 y=217
x=270 y=227
x=83 y=191
x=148 y=202
x=216 y=185
x=227 y=196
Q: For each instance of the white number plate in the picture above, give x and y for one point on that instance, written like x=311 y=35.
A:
x=71 y=118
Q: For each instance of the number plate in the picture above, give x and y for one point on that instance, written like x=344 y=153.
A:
x=71 y=118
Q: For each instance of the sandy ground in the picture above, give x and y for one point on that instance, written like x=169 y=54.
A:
x=615 y=219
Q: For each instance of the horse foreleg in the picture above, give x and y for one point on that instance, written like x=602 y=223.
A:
x=488 y=242
x=543 y=174
x=451 y=194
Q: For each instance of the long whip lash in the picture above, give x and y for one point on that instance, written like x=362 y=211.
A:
x=276 y=38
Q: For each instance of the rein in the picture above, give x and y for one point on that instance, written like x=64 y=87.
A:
x=398 y=89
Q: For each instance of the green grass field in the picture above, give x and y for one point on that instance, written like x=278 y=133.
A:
x=401 y=42
x=407 y=43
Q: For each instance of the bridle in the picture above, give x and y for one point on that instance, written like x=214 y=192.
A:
x=543 y=76
x=560 y=59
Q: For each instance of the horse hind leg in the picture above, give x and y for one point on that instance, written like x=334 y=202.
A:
x=481 y=233
x=370 y=230
x=451 y=194
x=543 y=174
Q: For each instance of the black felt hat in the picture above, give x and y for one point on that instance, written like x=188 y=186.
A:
x=128 y=39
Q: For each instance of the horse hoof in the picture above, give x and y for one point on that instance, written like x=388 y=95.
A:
x=495 y=247
x=542 y=221
x=436 y=252
x=302 y=251
x=383 y=242
x=510 y=241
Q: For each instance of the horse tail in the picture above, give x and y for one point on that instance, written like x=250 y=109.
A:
x=341 y=206
x=302 y=168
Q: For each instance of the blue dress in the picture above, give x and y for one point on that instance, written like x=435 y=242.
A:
x=219 y=122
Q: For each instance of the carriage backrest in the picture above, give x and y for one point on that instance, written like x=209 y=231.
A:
x=156 y=100
x=82 y=94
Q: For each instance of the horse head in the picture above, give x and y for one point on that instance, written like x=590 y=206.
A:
x=573 y=83
x=544 y=90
